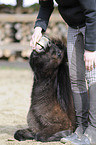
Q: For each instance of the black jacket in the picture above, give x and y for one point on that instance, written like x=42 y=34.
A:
x=76 y=13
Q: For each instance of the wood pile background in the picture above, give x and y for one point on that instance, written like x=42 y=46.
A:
x=16 y=31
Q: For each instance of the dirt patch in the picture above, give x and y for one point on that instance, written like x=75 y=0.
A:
x=15 y=90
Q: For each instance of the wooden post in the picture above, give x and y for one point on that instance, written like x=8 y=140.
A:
x=19 y=3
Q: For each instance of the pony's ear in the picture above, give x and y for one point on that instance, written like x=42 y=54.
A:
x=64 y=94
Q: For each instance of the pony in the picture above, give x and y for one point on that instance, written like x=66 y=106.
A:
x=51 y=114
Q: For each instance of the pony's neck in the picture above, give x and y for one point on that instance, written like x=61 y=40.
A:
x=42 y=87
x=47 y=77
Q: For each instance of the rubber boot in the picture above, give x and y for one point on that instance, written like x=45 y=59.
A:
x=81 y=104
x=91 y=130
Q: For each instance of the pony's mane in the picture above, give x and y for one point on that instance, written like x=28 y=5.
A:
x=64 y=94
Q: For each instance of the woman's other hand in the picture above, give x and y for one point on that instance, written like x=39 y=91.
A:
x=90 y=59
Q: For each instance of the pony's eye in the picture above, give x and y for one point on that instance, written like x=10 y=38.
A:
x=49 y=44
x=59 y=53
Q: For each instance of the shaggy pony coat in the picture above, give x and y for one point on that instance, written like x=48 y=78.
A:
x=51 y=114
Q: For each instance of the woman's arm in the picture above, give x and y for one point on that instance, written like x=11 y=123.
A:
x=46 y=8
x=89 y=7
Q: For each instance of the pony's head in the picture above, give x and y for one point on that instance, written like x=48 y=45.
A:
x=47 y=55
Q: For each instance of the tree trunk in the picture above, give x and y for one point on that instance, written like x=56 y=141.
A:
x=19 y=3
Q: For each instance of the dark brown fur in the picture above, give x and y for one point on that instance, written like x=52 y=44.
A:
x=51 y=113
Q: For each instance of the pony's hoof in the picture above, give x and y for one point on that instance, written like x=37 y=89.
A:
x=19 y=136
x=22 y=135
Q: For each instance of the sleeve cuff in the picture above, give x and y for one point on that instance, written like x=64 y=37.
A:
x=41 y=23
x=90 y=47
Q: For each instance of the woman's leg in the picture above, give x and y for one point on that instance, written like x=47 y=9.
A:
x=75 y=51
x=91 y=130
x=79 y=88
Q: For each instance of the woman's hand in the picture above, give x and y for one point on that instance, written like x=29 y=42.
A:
x=36 y=37
x=90 y=59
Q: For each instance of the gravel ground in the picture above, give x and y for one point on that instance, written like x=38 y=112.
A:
x=16 y=81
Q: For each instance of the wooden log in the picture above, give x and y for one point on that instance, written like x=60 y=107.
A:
x=26 y=53
x=6 y=53
x=18 y=35
x=7 y=40
x=1 y=53
x=17 y=26
x=8 y=25
x=2 y=34
x=12 y=58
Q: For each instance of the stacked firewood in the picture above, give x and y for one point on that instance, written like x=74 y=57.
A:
x=15 y=32
x=12 y=51
x=15 y=36
x=23 y=32
x=14 y=40
x=6 y=33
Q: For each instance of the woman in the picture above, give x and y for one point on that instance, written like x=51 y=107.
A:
x=80 y=15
